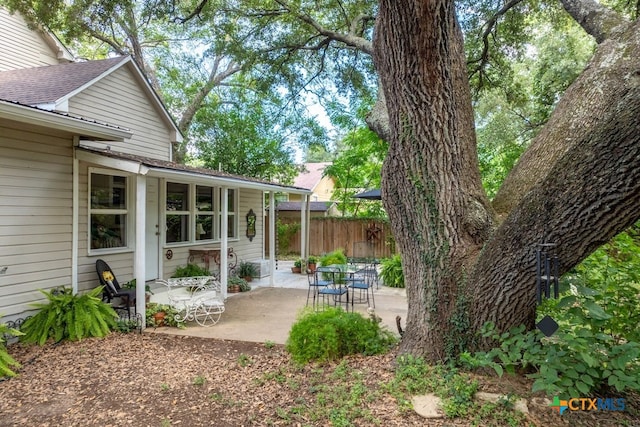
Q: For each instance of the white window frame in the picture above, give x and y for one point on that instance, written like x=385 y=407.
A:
x=193 y=213
x=128 y=211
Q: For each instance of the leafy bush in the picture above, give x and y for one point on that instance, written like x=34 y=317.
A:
x=391 y=272
x=69 y=316
x=333 y=333
x=169 y=318
x=598 y=343
x=6 y=361
x=335 y=257
x=191 y=270
x=285 y=233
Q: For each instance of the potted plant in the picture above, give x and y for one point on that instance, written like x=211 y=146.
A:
x=234 y=284
x=247 y=270
x=131 y=284
x=312 y=261
x=297 y=266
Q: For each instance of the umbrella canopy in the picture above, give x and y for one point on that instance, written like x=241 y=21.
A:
x=371 y=194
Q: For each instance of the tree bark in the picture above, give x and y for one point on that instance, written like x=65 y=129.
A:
x=585 y=98
x=589 y=192
x=577 y=186
x=430 y=181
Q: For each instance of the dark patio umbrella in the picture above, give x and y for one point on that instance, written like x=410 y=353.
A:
x=370 y=195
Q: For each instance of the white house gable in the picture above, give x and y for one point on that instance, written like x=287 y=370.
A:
x=21 y=47
x=118 y=98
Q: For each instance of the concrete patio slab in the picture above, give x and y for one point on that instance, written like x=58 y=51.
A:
x=266 y=313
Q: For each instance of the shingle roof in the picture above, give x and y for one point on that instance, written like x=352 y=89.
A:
x=296 y=206
x=311 y=175
x=173 y=166
x=41 y=85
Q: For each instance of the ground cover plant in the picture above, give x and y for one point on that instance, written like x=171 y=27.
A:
x=596 y=350
x=178 y=381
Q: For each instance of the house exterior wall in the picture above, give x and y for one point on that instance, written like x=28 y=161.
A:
x=35 y=215
x=321 y=192
x=118 y=99
x=21 y=47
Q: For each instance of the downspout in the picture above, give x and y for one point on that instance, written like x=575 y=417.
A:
x=75 y=216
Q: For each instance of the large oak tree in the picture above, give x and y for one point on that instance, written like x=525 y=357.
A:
x=468 y=261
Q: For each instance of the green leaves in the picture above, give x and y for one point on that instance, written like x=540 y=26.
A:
x=69 y=316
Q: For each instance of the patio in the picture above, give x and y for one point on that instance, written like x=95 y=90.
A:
x=266 y=313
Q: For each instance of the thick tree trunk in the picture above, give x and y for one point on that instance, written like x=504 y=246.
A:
x=430 y=180
x=585 y=189
x=588 y=194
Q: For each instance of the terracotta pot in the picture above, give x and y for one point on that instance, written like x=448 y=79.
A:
x=158 y=318
x=233 y=289
x=312 y=268
x=296 y=269
x=248 y=278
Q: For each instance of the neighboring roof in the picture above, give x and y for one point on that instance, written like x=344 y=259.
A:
x=154 y=167
x=297 y=206
x=311 y=175
x=50 y=84
x=370 y=195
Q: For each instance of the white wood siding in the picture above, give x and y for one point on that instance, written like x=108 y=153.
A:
x=118 y=99
x=35 y=216
x=21 y=47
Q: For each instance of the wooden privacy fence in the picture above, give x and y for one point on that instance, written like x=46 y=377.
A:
x=358 y=237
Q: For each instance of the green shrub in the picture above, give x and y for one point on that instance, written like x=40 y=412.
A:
x=169 y=318
x=333 y=333
x=335 y=257
x=191 y=270
x=69 y=316
x=391 y=272
x=6 y=361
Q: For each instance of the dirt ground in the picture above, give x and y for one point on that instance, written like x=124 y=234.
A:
x=165 y=380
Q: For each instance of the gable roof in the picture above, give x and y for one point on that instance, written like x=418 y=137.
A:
x=50 y=87
x=311 y=175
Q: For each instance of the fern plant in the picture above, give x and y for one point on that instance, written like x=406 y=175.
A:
x=6 y=361
x=69 y=316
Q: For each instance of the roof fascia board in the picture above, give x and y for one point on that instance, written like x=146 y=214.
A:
x=33 y=116
x=112 y=163
x=229 y=182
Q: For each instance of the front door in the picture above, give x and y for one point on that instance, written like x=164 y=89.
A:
x=152 y=230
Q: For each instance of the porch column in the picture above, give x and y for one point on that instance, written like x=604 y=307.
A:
x=272 y=238
x=139 y=254
x=303 y=229
x=224 y=244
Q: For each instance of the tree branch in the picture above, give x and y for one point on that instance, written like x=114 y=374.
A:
x=193 y=14
x=595 y=19
x=490 y=26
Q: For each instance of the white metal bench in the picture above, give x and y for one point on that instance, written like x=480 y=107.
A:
x=196 y=298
